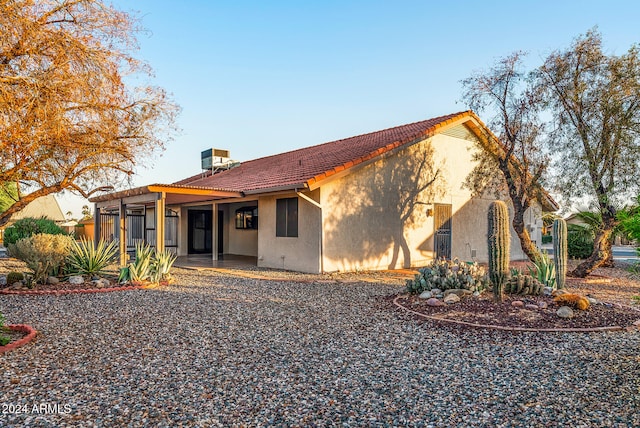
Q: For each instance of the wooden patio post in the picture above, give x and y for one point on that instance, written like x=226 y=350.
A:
x=214 y=226
x=160 y=220
x=122 y=218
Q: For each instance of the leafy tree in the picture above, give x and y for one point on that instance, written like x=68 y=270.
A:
x=69 y=121
x=595 y=102
x=86 y=212
x=505 y=91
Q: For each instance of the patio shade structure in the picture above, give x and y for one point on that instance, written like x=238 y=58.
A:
x=158 y=196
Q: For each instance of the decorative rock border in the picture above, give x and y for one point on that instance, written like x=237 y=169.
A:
x=31 y=333
x=72 y=291
x=507 y=328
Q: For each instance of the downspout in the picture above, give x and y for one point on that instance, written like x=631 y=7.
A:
x=319 y=206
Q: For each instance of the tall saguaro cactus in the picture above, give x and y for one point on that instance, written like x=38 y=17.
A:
x=498 y=240
x=559 y=233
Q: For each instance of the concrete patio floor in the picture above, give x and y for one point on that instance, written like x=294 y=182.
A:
x=205 y=261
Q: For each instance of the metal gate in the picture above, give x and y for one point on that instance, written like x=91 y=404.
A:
x=442 y=223
x=137 y=229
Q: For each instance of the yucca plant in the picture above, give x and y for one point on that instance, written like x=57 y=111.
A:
x=544 y=270
x=87 y=258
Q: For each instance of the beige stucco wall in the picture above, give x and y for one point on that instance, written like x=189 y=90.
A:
x=299 y=254
x=363 y=227
x=242 y=242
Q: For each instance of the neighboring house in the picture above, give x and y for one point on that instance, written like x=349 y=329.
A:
x=45 y=206
x=389 y=199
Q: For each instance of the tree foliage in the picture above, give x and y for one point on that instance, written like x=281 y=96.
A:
x=68 y=118
x=594 y=99
x=504 y=91
x=8 y=195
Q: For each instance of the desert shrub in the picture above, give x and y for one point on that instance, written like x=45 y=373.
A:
x=445 y=275
x=27 y=227
x=87 y=258
x=44 y=254
x=3 y=339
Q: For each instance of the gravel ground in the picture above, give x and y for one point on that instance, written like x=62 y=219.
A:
x=215 y=350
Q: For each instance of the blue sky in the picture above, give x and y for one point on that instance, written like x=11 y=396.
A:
x=263 y=77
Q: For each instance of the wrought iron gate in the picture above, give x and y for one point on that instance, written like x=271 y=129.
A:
x=442 y=223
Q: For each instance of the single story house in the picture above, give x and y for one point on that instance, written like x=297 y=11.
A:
x=388 y=199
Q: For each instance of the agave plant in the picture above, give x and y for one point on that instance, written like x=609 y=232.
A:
x=141 y=268
x=544 y=270
x=163 y=262
x=87 y=258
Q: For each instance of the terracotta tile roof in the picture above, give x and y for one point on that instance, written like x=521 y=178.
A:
x=315 y=163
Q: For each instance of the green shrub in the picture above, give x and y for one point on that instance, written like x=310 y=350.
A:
x=445 y=275
x=3 y=339
x=27 y=227
x=86 y=258
x=579 y=242
x=13 y=277
x=547 y=239
x=44 y=254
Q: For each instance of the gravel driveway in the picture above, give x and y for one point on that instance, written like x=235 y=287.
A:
x=216 y=350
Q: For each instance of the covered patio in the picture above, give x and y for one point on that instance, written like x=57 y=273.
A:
x=151 y=214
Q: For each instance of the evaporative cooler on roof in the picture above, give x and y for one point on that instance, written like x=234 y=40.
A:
x=214 y=157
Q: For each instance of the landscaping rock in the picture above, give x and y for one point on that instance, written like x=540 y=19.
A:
x=517 y=303
x=52 y=280
x=426 y=295
x=101 y=283
x=3 y=280
x=434 y=302
x=451 y=299
x=76 y=279
x=532 y=307
x=547 y=291
x=565 y=312
x=543 y=305
x=559 y=292
x=476 y=293
x=592 y=300
x=460 y=292
x=436 y=291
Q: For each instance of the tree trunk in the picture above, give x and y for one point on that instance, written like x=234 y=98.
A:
x=526 y=243
x=601 y=249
